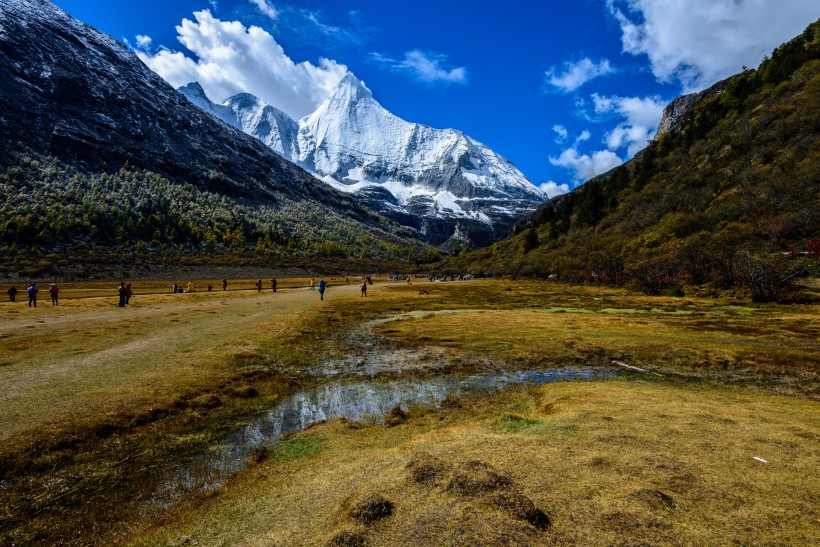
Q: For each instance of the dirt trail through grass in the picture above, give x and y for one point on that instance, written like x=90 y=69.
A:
x=89 y=357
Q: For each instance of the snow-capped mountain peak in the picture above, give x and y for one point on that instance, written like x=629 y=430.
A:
x=194 y=91
x=439 y=181
x=349 y=90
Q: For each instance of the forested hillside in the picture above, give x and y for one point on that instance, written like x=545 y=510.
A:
x=729 y=196
x=46 y=205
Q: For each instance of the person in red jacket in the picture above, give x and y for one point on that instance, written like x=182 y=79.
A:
x=54 y=291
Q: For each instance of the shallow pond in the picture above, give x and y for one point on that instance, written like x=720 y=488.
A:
x=363 y=400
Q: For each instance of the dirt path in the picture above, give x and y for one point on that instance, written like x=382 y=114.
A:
x=88 y=357
x=103 y=310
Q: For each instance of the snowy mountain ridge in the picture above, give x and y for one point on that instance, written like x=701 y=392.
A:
x=439 y=181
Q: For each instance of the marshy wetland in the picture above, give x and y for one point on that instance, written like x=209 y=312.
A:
x=485 y=412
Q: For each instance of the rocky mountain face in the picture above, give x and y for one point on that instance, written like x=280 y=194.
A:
x=447 y=186
x=72 y=93
x=680 y=111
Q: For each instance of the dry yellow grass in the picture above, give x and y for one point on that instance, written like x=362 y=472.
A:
x=652 y=339
x=610 y=463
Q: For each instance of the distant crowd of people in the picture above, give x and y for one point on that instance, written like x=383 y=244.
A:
x=430 y=277
x=125 y=292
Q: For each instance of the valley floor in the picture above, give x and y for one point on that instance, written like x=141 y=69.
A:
x=716 y=443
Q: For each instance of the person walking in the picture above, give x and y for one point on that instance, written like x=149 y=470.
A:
x=224 y=284
x=128 y=293
x=312 y=284
x=273 y=283
x=12 y=293
x=54 y=291
x=364 y=287
x=322 y=286
x=209 y=287
x=259 y=285
x=123 y=294
x=32 y=294
x=174 y=288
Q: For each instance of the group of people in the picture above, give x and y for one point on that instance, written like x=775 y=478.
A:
x=321 y=286
x=259 y=284
x=32 y=290
x=125 y=291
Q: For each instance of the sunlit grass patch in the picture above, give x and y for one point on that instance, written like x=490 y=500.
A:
x=298 y=447
x=623 y=310
x=739 y=310
x=514 y=423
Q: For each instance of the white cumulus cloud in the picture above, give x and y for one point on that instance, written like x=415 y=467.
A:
x=574 y=75
x=698 y=42
x=560 y=132
x=266 y=8
x=553 y=189
x=585 y=166
x=143 y=41
x=232 y=58
x=424 y=66
x=640 y=118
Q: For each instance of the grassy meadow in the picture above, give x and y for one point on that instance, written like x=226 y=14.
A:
x=98 y=400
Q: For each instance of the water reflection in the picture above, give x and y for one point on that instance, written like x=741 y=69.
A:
x=369 y=400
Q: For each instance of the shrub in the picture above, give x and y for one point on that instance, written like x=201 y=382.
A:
x=767 y=274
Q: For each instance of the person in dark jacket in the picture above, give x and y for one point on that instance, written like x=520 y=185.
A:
x=32 y=294
x=123 y=294
x=128 y=293
x=322 y=286
x=12 y=293
x=273 y=283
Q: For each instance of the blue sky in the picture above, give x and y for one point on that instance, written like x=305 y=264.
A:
x=565 y=90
